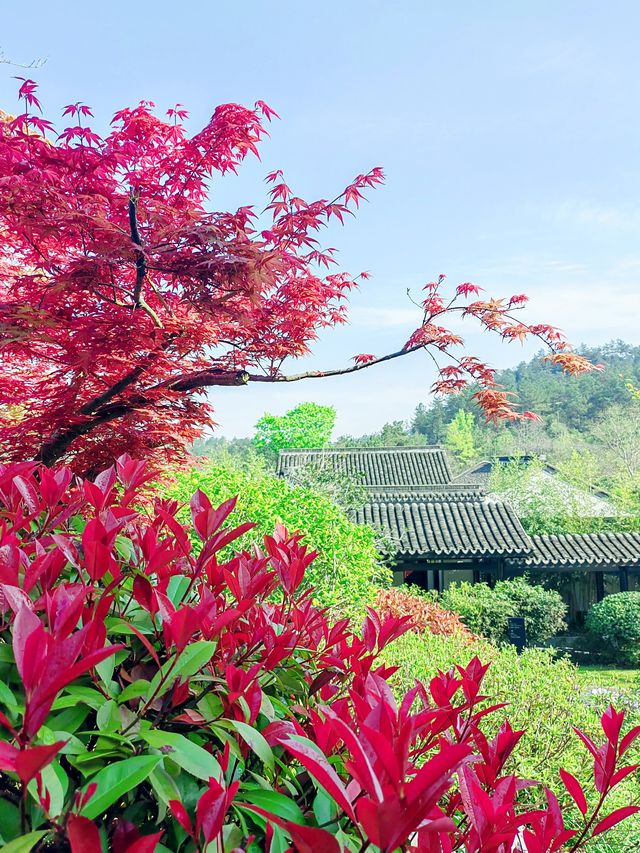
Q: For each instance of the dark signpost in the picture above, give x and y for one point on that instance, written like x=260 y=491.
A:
x=516 y=632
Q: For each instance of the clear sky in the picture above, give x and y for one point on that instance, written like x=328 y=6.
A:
x=509 y=132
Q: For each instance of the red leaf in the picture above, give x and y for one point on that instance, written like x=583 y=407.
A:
x=8 y=756
x=629 y=739
x=307 y=839
x=575 y=790
x=181 y=815
x=146 y=844
x=318 y=766
x=614 y=818
x=30 y=761
x=83 y=835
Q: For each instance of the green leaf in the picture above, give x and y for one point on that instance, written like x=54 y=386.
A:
x=9 y=821
x=124 y=547
x=69 y=719
x=105 y=670
x=133 y=691
x=272 y=801
x=252 y=738
x=116 y=779
x=164 y=785
x=77 y=693
x=210 y=706
x=325 y=809
x=186 y=754
x=6 y=653
x=192 y=659
x=23 y=844
x=119 y=626
x=176 y=588
x=73 y=745
x=108 y=718
x=6 y=696
x=56 y=782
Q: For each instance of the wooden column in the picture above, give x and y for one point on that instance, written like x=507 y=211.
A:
x=624 y=579
x=599 y=586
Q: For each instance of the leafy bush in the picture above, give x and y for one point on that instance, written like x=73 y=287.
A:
x=426 y=615
x=348 y=570
x=155 y=699
x=543 y=609
x=486 y=611
x=541 y=693
x=480 y=609
x=614 y=625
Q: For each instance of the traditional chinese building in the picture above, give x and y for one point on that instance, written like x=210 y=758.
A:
x=442 y=529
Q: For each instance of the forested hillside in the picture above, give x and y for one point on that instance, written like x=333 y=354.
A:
x=575 y=403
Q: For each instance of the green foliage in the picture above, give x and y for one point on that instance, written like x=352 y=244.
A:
x=565 y=502
x=460 y=438
x=215 y=446
x=595 y=412
x=541 y=693
x=543 y=609
x=343 y=489
x=480 y=609
x=348 y=570
x=614 y=623
x=486 y=611
x=307 y=425
x=540 y=690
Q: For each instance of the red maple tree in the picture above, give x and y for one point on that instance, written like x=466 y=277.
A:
x=124 y=296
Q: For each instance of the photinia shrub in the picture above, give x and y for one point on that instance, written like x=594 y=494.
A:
x=156 y=700
x=425 y=615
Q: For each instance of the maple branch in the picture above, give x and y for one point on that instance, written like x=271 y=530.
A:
x=141 y=263
x=339 y=371
x=101 y=410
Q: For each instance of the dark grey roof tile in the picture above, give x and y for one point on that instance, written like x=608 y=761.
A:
x=448 y=528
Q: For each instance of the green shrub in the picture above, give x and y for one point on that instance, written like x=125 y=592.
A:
x=541 y=692
x=348 y=571
x=486 y=611
x=543 y=609
x=480 y=609
x=614 y=625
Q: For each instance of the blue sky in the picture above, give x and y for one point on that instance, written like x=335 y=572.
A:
x=508 y=133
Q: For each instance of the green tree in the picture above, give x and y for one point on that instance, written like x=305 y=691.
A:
x=307 y=425
x=460 y=438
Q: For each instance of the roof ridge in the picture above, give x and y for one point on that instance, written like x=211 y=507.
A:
x=426 y=447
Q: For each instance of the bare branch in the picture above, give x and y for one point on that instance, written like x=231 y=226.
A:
x=34 y=64
x=341 y=371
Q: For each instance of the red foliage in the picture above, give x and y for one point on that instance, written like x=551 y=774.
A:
x=123 y=297
x=425 y=615
x=234 y=701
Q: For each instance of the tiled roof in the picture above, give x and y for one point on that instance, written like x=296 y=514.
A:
x=448 y=529
x=387 y=467
x=597 y=550
x=452 y=492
